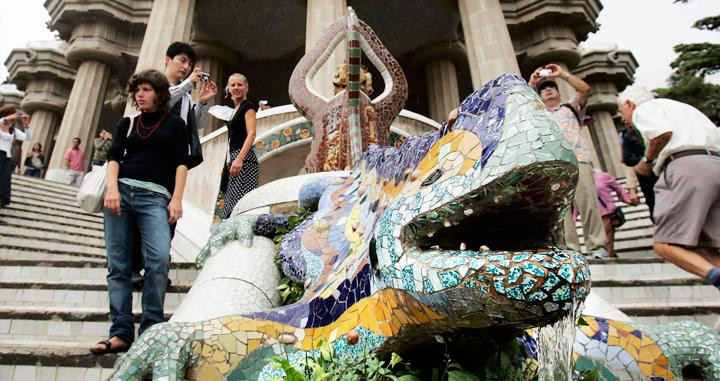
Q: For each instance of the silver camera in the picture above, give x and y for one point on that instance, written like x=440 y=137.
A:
x=205 y=77
x=544 y=73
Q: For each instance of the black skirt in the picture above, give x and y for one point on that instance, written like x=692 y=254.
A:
x=6 y=170
x=238 y=186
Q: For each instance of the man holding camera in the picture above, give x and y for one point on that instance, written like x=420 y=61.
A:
x=183 y=76
x=569 y=116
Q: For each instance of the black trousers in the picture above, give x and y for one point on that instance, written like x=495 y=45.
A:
x=6 y=170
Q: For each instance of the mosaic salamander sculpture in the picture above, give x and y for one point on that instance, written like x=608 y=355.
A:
x=450 y=233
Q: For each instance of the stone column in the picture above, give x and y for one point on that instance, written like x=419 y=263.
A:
x=169 y=21
x=81 y=115
x=442 y=85
x=605 y=137
x=320 y=15
x=489 y=48
x=44 y=126
x=215 y=59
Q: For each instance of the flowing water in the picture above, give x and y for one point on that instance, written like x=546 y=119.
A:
x=555 y=343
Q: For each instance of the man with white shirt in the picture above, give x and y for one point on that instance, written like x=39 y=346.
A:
x=683 y=149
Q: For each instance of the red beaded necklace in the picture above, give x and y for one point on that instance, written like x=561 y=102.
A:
x=148 y=130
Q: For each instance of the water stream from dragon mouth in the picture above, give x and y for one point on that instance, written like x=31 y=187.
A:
x=555 y=347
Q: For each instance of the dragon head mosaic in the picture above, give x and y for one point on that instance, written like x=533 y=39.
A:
x=449 y=234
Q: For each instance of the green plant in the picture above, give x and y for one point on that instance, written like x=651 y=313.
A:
x=288 y=290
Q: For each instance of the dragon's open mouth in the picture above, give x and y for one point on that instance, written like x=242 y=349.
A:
x=514 y=212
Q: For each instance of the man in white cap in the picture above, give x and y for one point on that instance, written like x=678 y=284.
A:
x=683 y=149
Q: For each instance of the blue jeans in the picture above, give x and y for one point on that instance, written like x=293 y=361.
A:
x=146 y=211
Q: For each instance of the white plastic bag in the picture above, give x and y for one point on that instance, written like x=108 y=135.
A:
x=91 y=195
x=92 y=191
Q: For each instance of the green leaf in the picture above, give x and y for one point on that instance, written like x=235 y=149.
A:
x=408 y=377
x=461 y=375
x=395 y=359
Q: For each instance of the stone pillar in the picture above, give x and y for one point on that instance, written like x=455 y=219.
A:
x=442 y=85
x=489 y=48
x=169 y=21
x=608 y=71
x=44 y=125
x=607 y=141
x=215 y=59
x=81 y=115
x=320 y=15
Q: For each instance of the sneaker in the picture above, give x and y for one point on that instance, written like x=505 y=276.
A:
x=601 y=253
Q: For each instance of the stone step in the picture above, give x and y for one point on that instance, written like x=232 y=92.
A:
x=672 y=309
x=39 y=352
x=34 y=258
x=634 y=271
x=706 y=319
x=47 y=227
x=29 y=233
x=656 y=292
x=15 y=257
x=81 y=284
x=43 y=193
x=41 y=183
x=41 y=274
x=29 y=203
x=23 y=243
x=20 y=211
x=60 y=274
x=72 y=298
x=21 y=313
x=51 y=373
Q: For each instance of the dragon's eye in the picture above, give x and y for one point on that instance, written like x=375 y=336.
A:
x=433 y=177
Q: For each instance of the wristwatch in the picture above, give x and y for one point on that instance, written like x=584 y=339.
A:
x=646 y=160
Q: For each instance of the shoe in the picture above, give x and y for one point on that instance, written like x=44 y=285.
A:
x=109 y=349
x=717 y=326
x=601 y=253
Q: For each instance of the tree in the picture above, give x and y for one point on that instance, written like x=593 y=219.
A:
x=693 y=63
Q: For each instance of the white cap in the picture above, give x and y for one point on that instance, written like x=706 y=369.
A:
x=635 y=94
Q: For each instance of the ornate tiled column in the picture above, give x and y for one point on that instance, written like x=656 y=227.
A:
x=608 y=71
x=489 y=48
x=320 y=15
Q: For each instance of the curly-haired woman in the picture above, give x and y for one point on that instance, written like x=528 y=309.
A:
x=147 y=169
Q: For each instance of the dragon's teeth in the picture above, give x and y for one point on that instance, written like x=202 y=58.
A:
x=435 y=247
x=430 y=234
x=447 y=223
x=484 y=248
x=468 y=212
x=463 y=246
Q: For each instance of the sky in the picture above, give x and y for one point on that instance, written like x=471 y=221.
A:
x=648 y=28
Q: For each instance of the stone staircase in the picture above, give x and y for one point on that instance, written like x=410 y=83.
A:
x=53 y=294
x=643 y=285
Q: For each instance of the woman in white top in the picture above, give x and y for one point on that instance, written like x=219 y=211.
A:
x=7 y=135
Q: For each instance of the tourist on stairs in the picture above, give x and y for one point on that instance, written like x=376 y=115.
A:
x=8 y=135
x=683 y=150
x=147 y=169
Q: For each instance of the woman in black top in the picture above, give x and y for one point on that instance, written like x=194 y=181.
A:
x=35 y=161
x=244 y=168
x=147 y=168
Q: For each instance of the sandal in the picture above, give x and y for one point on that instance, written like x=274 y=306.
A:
x=109 y=349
